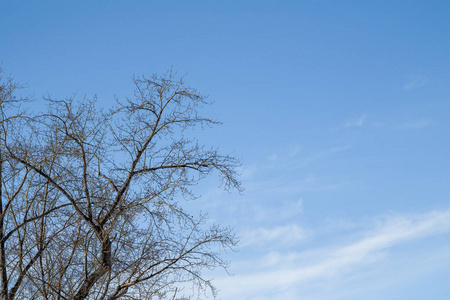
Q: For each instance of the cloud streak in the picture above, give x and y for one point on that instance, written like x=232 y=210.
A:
x=285 y=235
x=417 y=124
x=358 y=122
x=415 y=82
x=325 y=154
x=292 y=271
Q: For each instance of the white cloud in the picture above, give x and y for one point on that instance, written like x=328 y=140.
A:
x=286 y=273
x=325 y=154
x=417 y=124
x=295 y=150
x=415 y=82
x=247 y=172
x=357 y=122
x=279 y=212
x=282 y=235
x=337 y=225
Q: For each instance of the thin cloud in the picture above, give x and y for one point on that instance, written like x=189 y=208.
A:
x=417 y=124
x=325 y=154
x=325 y=264
x=273 y=156
x=284 y=210
x=285 y=234
x=295 y=150
x=415 y=82
x=247 y=172
x=292 y=186
x=357 y=122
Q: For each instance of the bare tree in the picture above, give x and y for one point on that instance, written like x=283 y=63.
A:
x=92 y=201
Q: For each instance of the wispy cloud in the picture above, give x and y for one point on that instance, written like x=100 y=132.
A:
x=273 y=156
x=325 y=154
x=281 y=235
x=247 y=172
x=280 y=211
x=415 y=82
x=284 y=186
x=416 y=124
x=355 y=122
x=291 y=271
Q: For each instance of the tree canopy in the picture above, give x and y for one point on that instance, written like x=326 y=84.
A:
x=91 y=203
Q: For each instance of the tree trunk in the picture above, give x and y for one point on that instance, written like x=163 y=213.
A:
x=4 y=276
x=104 y=267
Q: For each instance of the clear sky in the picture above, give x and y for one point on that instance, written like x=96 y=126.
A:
x=338 y=110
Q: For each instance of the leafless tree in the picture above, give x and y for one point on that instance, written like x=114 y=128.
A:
x=92 y=200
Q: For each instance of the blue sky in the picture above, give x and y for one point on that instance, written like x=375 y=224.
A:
x=338 y=110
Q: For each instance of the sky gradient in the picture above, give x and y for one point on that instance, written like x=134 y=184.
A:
x=338 y=110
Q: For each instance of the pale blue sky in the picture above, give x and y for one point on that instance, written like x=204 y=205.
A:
x=339 y=111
